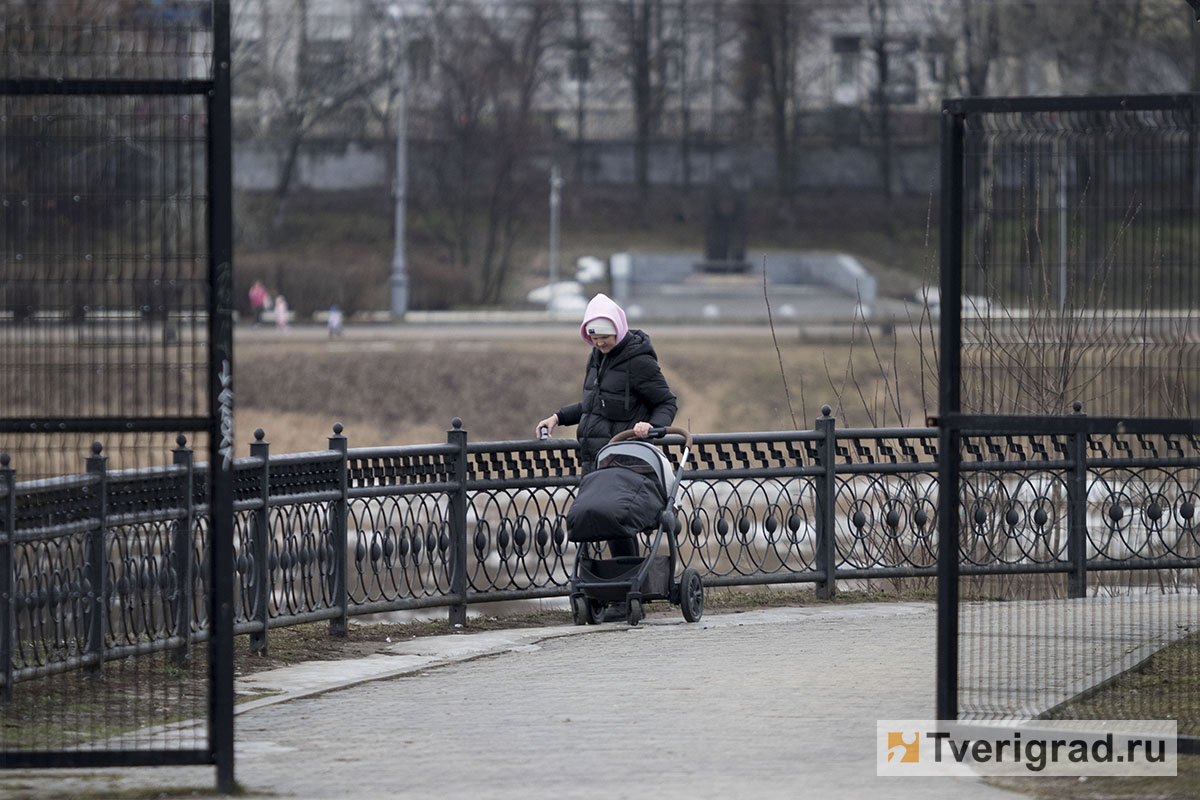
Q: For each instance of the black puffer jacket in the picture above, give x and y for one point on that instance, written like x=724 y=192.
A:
x=620 y=390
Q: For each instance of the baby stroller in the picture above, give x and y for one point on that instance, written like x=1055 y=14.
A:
x=632 y=491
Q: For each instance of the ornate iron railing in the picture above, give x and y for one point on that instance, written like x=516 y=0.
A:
x=342 y=532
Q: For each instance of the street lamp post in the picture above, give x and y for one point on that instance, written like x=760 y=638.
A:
x=556 y=183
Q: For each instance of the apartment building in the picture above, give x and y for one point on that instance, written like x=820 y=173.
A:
x=682 y=76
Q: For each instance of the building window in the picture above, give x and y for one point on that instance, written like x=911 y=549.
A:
x=938 y=51
x=672 y=55
x=579 y=62
x=324 y=61
x=420 y=58
x=846 y=53
x=901 y=85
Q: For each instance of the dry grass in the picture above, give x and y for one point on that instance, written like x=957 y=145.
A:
x=406 y=388
x=1162 y=688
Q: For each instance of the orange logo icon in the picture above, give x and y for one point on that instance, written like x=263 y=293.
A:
x=903 y=747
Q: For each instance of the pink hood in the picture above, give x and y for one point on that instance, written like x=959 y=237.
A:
x=603 y=306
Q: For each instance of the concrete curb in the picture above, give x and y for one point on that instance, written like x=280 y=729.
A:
x=404 y=658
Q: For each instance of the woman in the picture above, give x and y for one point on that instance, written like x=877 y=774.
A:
x=623 y=386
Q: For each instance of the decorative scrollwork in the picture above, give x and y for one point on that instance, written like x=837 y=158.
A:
x=748 y=507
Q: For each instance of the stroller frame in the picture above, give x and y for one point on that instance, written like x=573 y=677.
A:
x=636 y=580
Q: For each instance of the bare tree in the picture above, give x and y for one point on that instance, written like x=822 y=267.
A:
x=981 y=32
x=312 y=70
x=879 y=14
x=579 y=46
x=1109 y=47
x=772 y=34
x=472 y=188
x=685 y=92
x=641 y=41
x=979 y=28
x=1194 y=54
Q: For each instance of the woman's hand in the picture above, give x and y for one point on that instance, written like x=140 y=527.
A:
x=549 y=423
x=641 y=430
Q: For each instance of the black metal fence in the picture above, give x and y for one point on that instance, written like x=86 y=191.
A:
x=327 y=535
x=1069 y=236
x=115 y=323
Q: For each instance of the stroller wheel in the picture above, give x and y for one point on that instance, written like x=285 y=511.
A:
x=595 y=611
x=691 y=595
x=636 y=612
x=579 y=610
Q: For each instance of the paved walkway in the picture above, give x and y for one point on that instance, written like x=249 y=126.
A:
x=778 y=703
x=1026 y=657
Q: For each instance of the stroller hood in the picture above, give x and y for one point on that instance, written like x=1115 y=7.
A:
x=641 y=457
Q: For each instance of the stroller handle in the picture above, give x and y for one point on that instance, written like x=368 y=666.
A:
x=656 y=433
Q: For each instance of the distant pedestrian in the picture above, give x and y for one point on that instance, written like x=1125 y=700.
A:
x=335 y=321
x=281 y=312
x=259 y=298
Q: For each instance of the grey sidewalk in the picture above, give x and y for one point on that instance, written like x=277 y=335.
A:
x=776 y=703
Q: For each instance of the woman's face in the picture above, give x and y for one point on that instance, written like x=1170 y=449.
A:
x=604 y=343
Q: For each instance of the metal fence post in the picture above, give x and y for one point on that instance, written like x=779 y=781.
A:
x=8 y=528
x=95 y=603
x=1077 y=491
x=260 y=548
x=458 y=526
x=826 y=494
x=948 y=555
x=337 y=534
x=183 y=552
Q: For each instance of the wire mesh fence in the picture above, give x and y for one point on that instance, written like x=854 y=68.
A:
x=110 y=137
x=104 y=291
x=1080 y=243
x=1071 y=235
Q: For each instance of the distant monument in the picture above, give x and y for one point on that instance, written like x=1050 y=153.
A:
x=724 y=227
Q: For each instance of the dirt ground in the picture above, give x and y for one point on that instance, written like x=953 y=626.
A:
x=405 y=388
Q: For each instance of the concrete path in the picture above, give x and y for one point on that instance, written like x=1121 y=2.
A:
x=778 y=703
